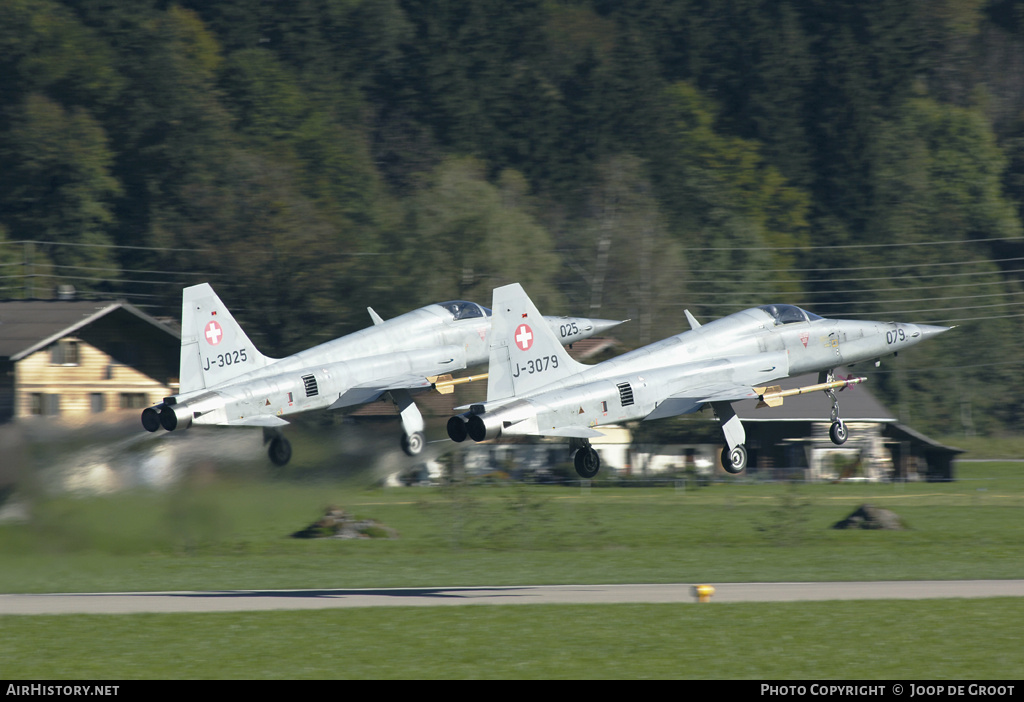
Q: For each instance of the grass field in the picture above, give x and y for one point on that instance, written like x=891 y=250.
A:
x=882 y=640
x=234 y=534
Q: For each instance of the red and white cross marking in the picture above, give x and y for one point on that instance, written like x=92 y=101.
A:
x=213 y=333
x=524 y=337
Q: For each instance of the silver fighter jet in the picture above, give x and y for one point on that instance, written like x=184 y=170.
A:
x=535 y=388
x=225 y=380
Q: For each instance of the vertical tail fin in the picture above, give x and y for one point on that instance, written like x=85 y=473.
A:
x=214 y=348
x=525 y=353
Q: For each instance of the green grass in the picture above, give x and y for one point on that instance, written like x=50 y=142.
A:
x=235 y=535
x=887 y=640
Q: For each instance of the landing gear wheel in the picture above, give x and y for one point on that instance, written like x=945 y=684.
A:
x=587 y=462
x=280 y=451
x=413 y=443
x=838 y=433
x=735 y=460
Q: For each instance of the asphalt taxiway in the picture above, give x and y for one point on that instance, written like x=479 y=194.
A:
x=262 y=600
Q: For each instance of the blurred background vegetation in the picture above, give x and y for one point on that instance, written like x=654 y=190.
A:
x=626 y=158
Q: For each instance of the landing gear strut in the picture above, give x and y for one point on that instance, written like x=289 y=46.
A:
x=585 y=458
x=837 y=432
x=412 y=422
x=734 y=455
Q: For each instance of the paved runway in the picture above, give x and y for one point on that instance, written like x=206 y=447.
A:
x=261 y=600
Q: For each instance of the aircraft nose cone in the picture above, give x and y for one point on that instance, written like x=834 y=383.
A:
x=929 y=330
x=603 y=325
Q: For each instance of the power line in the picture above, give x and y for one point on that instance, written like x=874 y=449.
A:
x=811 y=247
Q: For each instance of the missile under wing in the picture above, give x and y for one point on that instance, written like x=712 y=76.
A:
x=225 y=380
x=535 y=388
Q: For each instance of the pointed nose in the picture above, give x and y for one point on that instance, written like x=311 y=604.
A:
x=603 y=325
x=928 y=330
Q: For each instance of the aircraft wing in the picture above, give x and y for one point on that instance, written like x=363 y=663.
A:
x=405 y=370
x=375 y=389
x=722 y=380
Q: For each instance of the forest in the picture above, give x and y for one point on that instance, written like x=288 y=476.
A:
x=619 y=158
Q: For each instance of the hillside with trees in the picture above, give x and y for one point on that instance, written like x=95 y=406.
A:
x=635 y=158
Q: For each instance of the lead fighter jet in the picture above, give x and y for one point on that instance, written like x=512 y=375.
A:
x=535 y=388
x=226 y=381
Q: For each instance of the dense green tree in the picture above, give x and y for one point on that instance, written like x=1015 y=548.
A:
x=469 y=236
x=57 y=188
x=735 y=212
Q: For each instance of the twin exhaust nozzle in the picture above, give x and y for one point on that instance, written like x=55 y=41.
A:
x=166 y=416
x=473 y=426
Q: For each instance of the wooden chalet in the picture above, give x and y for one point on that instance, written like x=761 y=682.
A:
x=83 y=359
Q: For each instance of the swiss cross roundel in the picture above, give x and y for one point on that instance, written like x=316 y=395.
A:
x=524 y=337
x=213 y=333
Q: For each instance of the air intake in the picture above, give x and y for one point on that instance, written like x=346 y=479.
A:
x=310 y=383
x=625 y=394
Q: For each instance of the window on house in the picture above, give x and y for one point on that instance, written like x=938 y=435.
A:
x=97 y=402
x=43 y=404
x=64 y=353
x=134 y=400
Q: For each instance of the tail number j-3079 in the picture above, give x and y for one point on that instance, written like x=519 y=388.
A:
x=536 y=365
x=225 y=359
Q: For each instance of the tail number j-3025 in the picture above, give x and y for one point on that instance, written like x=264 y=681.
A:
x=536 y=365
x=225 y=359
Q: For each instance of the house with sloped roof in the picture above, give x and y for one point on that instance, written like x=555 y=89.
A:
x=795 y=437
x=83 y=359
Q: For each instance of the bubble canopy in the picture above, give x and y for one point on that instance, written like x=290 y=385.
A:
x=788 y=314
x=462 y=309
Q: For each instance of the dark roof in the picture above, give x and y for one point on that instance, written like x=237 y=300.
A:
x=856 y=403
x=29 y=325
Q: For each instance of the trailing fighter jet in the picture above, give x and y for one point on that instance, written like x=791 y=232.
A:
x=535 y=388
x=226 y=381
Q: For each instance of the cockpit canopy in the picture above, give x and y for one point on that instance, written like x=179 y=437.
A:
x=788 y=314
x=461 y=309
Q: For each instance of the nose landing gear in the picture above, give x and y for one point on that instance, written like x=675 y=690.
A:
x=837 y=432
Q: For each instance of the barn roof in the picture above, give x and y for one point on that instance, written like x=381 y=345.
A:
x=29 y=325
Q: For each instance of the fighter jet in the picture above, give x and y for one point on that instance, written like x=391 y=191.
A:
x=226 y=381
x=536 y=389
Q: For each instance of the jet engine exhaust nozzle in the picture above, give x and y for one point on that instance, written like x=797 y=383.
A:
x=482 y=427
x=151 y=418
x=457 y=428
x=171 y=418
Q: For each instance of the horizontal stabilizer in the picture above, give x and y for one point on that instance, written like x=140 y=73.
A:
x=259 y=421
x=571 y=432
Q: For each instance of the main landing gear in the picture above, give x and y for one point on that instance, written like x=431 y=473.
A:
x=734 y=459
x=585 y=458
x=734 y=455
x=279 y=449
x=413 y=440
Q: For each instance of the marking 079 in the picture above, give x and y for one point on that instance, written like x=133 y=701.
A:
x=895 y=335
x=536 y=365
